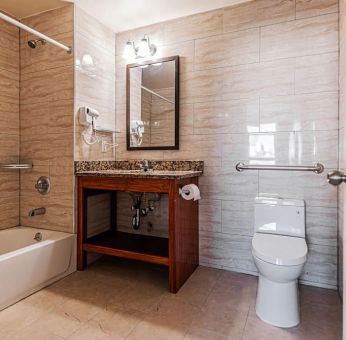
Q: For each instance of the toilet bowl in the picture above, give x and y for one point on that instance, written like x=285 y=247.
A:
x=279 y=250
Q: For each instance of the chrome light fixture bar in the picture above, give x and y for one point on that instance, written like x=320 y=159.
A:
x=144 y=49
x=34 y=32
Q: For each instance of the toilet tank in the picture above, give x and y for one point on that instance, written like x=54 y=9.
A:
x=280 y=216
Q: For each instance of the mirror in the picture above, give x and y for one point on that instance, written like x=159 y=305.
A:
x=152 y=105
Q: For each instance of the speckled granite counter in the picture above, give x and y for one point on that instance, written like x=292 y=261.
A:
x=126 y=169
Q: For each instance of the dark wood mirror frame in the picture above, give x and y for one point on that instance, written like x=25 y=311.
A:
x=176 y=127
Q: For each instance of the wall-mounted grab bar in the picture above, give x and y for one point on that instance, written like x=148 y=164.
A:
x=15 y=166
x=317 y=168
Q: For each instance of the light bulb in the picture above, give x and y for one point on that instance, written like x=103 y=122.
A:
x=129 y=51
x=87 y=60
x=144 y=48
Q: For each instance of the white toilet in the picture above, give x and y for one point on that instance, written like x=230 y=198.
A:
x=279 y=250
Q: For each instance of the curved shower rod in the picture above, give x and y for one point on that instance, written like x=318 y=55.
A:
x=34 y=32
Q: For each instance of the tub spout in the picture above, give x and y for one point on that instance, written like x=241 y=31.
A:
x=37 y=211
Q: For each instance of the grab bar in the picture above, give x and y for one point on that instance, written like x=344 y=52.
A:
x=15 y=166
x=317 y=168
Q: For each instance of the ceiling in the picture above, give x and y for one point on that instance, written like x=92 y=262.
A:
x=24 y=8
x=120 y=15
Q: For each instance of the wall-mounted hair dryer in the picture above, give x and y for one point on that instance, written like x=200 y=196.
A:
x=88 y=116
x=137 y=130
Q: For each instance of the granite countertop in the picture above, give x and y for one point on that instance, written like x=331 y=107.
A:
x=158 y=174
x=131 y=169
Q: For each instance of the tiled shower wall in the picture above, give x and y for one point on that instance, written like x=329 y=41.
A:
x=259 y=84
x=46 y=121
x=9 y=133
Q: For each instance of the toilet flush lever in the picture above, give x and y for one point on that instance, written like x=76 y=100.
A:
x=336 y=177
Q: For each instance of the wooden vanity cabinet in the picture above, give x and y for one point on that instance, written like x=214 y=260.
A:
x=179 y=252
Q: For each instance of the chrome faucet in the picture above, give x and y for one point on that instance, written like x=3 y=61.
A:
x=145 y=166
x=37 y=211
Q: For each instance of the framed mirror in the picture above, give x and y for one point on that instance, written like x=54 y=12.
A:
x=152 y=105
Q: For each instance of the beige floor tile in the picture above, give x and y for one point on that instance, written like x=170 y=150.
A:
x=321 y=321
x=58 y=322
x=318 y=295
x=256 y=329
x=203 y=334
x=231 y=297
x=228 y=322
x=115 y=299
x=158 y=328
x=37 y=334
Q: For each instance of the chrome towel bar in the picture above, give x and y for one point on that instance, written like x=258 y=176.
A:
x=317 y=168
x=15 y=166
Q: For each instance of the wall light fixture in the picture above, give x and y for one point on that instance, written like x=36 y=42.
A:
x=144 y=49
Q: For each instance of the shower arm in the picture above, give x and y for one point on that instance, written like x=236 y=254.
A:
x=34 y=32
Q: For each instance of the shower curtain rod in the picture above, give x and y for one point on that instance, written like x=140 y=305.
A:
x=32 y=31
x=156 y=94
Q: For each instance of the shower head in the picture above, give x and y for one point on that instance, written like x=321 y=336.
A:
x=34 y=43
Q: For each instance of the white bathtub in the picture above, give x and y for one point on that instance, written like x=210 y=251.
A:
x=27 y=265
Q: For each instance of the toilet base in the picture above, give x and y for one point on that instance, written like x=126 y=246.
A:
x=277 y=303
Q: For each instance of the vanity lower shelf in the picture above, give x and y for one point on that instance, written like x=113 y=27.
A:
x=131 y=246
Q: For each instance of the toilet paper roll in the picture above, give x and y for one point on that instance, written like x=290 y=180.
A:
x=189 y=192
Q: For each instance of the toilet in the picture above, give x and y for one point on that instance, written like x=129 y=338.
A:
x=279 y=250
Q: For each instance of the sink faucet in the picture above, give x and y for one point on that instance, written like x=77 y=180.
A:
x=145 y=166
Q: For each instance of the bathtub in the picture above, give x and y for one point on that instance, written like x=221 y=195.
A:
x=27 y=265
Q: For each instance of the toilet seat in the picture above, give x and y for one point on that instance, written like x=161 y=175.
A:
x=279 y=249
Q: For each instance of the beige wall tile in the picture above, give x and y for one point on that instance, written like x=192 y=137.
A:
x=300 y=37
x=9 y=86
x=9 y=148
x=94 y=30
x=186 y=52
x=228 y=95
x=232 y=116
x=264 y=79
x=316 y=73
x=210 y=214
x=45 y=57
x=10 y=116
x=49 y=85
x=193 y=27
x=9 y=183
x=227 y=49
x=316 y=111
x=9 y=212
x=316 y=193
x=309 y=8
x=257 y=13
x=9 y=55
x=52 y=22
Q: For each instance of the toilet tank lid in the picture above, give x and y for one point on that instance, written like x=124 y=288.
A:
x=276 y=200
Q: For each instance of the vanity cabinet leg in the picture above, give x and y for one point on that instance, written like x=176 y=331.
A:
x=183 y=237
x=82 y=228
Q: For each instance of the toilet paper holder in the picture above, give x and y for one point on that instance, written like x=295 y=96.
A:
x=186 y=191
x=190 y=192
